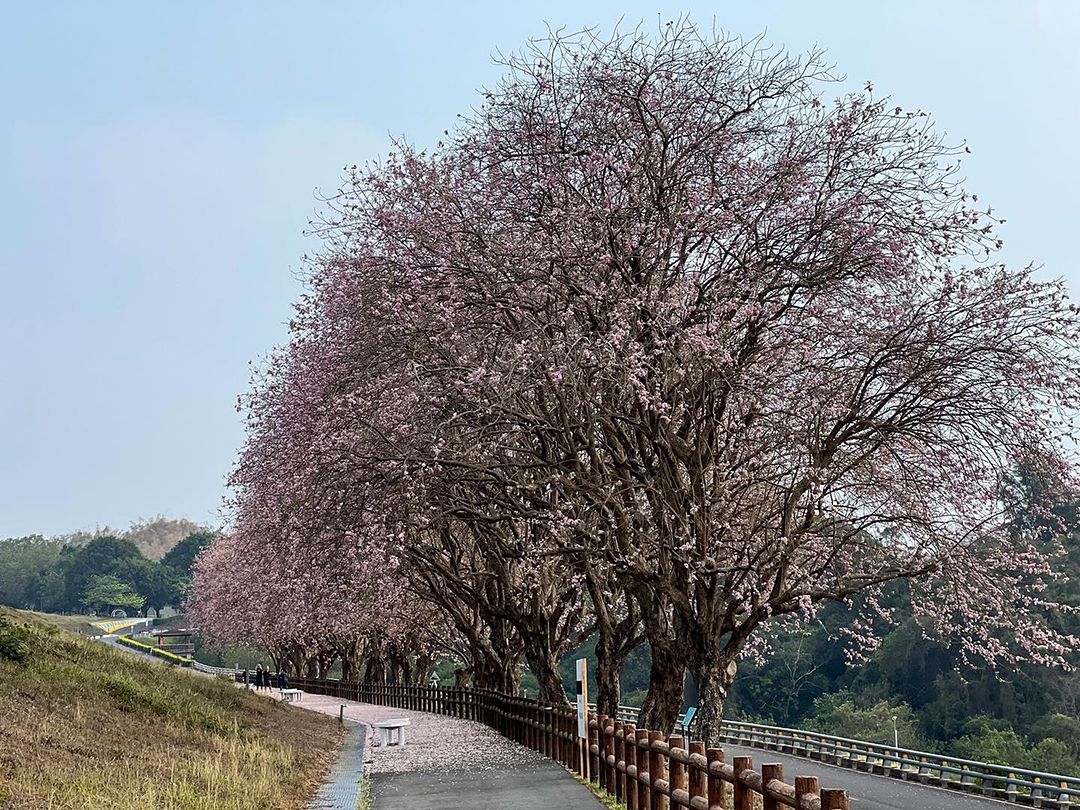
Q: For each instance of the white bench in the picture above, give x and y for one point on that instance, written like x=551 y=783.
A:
x=385 y=727
x=289 y=695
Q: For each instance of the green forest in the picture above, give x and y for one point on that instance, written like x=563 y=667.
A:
x=96 y=574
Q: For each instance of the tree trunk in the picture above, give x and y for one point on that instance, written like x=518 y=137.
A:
x=495 y=658
x=609 y=663
x=667 y=677
x=546 y=670
x=348 y=668
x=714 y=677
x=499 y=675
x=375 y=669
x=296 y=661
x=615 y=641
x=424 y=662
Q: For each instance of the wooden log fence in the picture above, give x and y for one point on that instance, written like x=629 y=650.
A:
x=638 y=767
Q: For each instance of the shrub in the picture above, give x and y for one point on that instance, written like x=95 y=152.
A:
x=14 y=644
x=840 y=715
x=988 y=740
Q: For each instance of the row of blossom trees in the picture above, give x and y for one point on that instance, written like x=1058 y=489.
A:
x=660 y=344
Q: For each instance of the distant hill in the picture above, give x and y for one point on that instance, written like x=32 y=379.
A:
x=154 y=537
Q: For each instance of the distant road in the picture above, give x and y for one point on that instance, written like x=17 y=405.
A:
x=869 y=791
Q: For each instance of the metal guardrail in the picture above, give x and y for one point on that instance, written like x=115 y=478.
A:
x=1019 y=785
x=115 y=625
x=201 y=667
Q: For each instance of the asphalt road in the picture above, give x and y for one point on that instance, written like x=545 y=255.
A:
x=868 y=791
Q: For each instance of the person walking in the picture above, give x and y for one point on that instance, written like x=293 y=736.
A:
x=282 y=681
x=259 y=677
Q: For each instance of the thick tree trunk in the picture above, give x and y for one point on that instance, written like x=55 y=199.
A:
x=296 y=662
x=616 y=639
x=348 y=668
x=499 y=675
x=375 y=669
x=546 y=671
x=424 y=662
x=610 y=657
x=714 y=677
x=667 y=677
x=495 y=671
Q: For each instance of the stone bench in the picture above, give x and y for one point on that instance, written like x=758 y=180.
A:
x=386 y=727
x=289 y=695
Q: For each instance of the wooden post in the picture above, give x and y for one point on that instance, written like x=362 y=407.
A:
x=630 y=790
x=744 y=797
x=564 y=753
x=656 y=772
x=805 y=785
x=834 y=800
x=611 y=757
x=607 y=751
x=550 y=741
x=594 y=741
x=699 y=778
x=715 y=756
x=643 y=764
x=770 y=771
x=619 y=748
x=676 y=770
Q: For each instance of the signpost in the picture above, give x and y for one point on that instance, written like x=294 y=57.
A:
x=583 y=713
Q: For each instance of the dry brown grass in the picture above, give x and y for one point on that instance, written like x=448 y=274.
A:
x=84 y=726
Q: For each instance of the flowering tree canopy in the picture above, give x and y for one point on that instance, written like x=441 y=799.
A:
x=661 y=342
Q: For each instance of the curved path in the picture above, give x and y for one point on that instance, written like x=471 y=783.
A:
x=869 y=791
x=450 y=763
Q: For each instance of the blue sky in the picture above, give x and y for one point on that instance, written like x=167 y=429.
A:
x=159 y=162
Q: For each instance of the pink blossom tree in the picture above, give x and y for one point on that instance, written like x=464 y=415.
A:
x=662 y=340
x=753 y=335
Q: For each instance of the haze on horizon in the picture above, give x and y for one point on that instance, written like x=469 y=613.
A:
x=161 y=165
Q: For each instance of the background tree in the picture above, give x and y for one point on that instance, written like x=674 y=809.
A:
x=106 y=592
x=181 y=557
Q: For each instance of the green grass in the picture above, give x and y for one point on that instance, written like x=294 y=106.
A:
x=86 y=726
x=364 y=801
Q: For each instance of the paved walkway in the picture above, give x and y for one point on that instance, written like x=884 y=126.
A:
x=450 y=763
x=342 y=788
x=534 y=785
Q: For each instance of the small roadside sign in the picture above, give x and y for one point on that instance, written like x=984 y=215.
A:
x=583 y=698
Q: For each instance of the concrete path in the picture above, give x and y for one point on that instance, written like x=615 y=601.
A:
x=450 y=763
x=534 y=786
x=870 y=791
x=342 y=789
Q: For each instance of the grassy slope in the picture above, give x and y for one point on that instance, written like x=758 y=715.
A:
x=85 y=726
x=76 y=624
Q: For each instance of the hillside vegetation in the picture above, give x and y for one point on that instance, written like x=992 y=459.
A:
x=99 y=574
x=85 y=726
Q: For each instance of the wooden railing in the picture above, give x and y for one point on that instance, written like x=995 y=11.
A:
x=636 y=766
